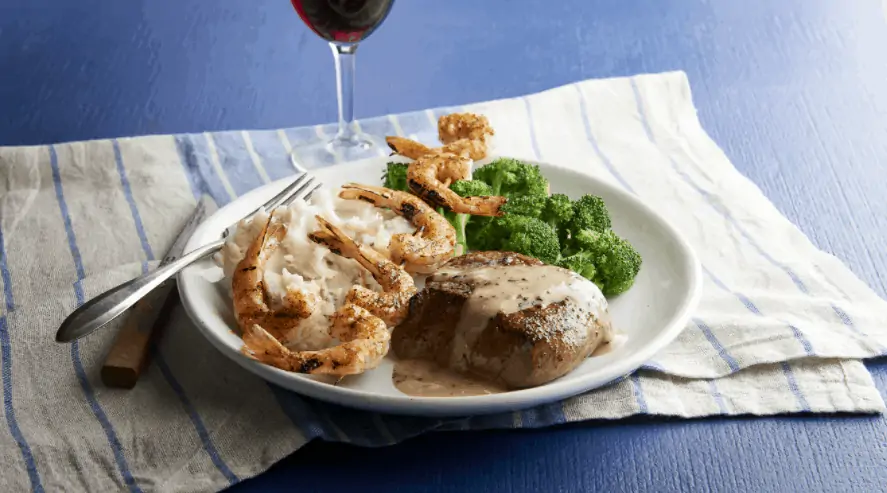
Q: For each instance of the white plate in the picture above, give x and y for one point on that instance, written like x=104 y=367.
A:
x=651 y=314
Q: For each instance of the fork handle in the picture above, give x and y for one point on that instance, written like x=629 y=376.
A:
x=112 y=303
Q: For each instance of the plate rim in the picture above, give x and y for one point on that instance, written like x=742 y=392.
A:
x=450 y=406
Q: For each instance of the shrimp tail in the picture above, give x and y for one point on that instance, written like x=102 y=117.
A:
x=365 y=341
x=331 y=237
x=400 y=202
x=367 y=193
x=261 y=346
x=481 y=205
x=408 y=148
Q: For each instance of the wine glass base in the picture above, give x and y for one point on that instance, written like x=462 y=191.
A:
x=355 y=142
x=334 y=151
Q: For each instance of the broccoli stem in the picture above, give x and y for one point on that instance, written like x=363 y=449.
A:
x=497 y=184
x=461 y=237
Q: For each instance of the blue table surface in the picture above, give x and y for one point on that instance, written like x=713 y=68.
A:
x=794 y=91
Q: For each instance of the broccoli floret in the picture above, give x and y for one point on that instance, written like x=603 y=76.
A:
x=589 y=213
x=581 y=263
x=471 y=188
x=520 y=234
x=512 y=178
x=615 y=260
x=395 y=177
x=465 y=188
x=522 y=183
x=558 y=212
x=525 y=205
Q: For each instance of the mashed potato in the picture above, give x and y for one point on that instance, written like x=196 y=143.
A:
x=302 y=265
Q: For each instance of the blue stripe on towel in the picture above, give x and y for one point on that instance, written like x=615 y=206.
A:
x=274 y=157
x=793 y=386
x=741 y=297
x=196 y=160
x=343 y=424
x=164 y=369
x=9 y=409
x=719 y=399
x=715 y=343
x=303 y=417
x=639 y=393
x=234 y=158
x=589 y=135
x=331 y=429
x=4 y=274
x=66 y=217
x=184 y=150
x=533 y=141
x=99 y=413
x=133 y=209
x=195 y=419
x=551 y=414
x=6 y=374
x=845 y=319
x=529 y=418
x=796 y=333
x=88 y=392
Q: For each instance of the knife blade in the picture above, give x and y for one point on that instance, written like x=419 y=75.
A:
x=130 y=354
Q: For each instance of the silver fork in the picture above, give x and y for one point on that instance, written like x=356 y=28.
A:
x=112 y=303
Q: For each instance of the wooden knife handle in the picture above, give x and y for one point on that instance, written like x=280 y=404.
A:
x=131 y=351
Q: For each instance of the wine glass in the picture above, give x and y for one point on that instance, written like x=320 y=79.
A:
x=344 y=23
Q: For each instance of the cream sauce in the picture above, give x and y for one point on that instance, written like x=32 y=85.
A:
x=508 y=289
x=422 y=378
x=603 y=348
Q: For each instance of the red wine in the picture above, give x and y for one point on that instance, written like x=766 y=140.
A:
x=344 y=21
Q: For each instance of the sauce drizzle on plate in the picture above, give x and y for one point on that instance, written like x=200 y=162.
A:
x=423 y=378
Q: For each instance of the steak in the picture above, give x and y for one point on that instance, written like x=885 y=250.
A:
x=505 y=317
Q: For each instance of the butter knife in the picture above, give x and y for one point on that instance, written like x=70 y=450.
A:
x=131 y=351
x=107 y=306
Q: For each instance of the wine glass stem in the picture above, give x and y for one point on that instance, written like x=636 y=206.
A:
x=344 y=55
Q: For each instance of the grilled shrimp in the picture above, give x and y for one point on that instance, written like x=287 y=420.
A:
x=365 y=341
x=474 y=149
x=431 y=245
x=407 y=147
x=456 y=126
x=361 y=324
x=392 y=304
x=429 y=178
x=465 y=134
x=250 y=300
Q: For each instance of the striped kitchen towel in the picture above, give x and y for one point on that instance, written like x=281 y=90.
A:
x=781 y=327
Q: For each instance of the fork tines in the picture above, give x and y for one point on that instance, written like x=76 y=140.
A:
x=300 y=189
